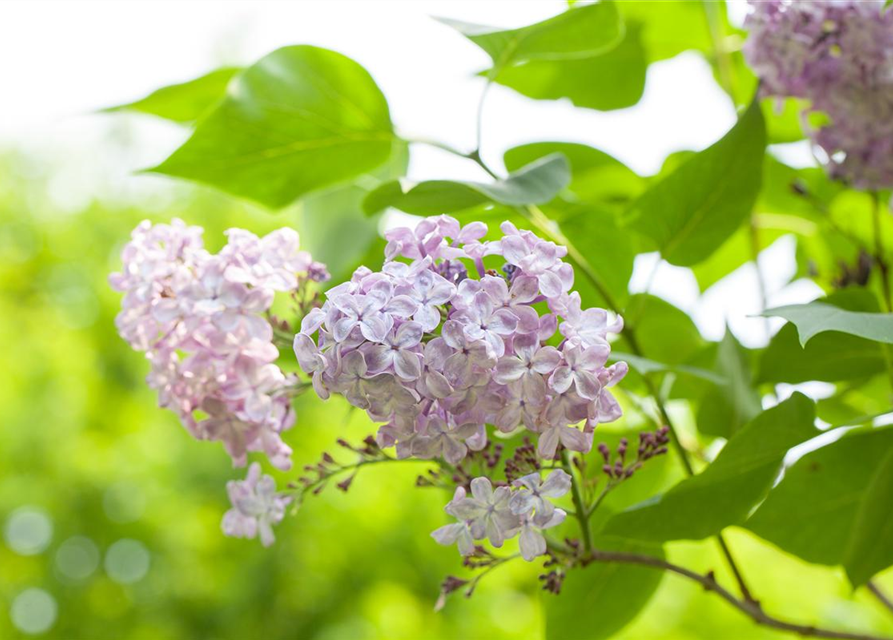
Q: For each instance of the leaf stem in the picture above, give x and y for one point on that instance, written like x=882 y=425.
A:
x=748 y=607
x=579 y=506
x=880 y=595
x=595 y=505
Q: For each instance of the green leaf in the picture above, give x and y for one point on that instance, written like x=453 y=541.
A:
x=186 y=101
x=300 y=119
x=692 y=211
x=724 y=493
x=815 y=318
x=828 y=357
x=598 y=601
x=736 y=251
x=576 y=33
x=669 y=28
x=535 y=183
x=784 y=124
x=595 y=175
x=612 y=261
x=612 y=80
x=665 y=332
x=725 y=408
x=870 y=547
x=833 y=505
x=333 y=226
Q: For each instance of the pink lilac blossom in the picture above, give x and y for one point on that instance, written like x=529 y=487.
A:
x=839 y=57
x=199 y=318
x=503 y=513
x=441 y=346
x=256 y=507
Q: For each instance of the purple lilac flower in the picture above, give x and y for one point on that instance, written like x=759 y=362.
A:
x=256 y=507
x=503 y=513
x=435 y=346
x=530 y=500
x=199 y=319
x=838 y=56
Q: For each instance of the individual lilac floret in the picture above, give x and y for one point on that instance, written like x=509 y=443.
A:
x=256 y=507
x=502 y=513
x=440 y=345
x=201 y=320
x=530 y=500
x=531 y=542
x=458 y=533
x=838 y=56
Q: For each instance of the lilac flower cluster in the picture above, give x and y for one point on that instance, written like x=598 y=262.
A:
x=838 y=56
x=199 y=317
x=504 y=513
x=256 y=507
x=436 y=354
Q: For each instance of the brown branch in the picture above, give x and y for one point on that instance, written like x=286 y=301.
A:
x=748 y=607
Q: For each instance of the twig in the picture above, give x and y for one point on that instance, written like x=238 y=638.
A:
x=748 y=607
x=579 y=506
x=880 y=595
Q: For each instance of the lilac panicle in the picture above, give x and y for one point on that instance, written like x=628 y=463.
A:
x=437 y=347
x=838 y=56
x=199 y=318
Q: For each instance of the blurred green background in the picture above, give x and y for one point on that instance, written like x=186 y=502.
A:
x=112 y=511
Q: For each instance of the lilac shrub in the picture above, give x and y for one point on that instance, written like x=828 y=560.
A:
x=839 y=57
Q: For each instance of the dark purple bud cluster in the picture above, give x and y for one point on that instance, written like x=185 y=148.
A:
x=523 y=462
x=651 y=443
x=317 y=475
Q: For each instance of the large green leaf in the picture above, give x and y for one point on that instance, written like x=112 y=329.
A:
x=535 y=183
x=833 y=505
x=725 y=492
x=815 y=318
x=692 y=211
x=333 y=226
x=613 y=80
x=726 y=407
x=669 y=28
x=589 y=227
x=737 y=250
x=300 y=119
x=665 y=333
x=599 y=600
x=186 y=101
x=577 y=33
x=828 y=357
x=595 y=175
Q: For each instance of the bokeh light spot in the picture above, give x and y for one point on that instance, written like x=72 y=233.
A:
x=127 y=561
x=28 y=531
x=33 y=611
x=77 y=558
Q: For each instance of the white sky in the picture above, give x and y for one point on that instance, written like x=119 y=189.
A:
x=62 y=60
